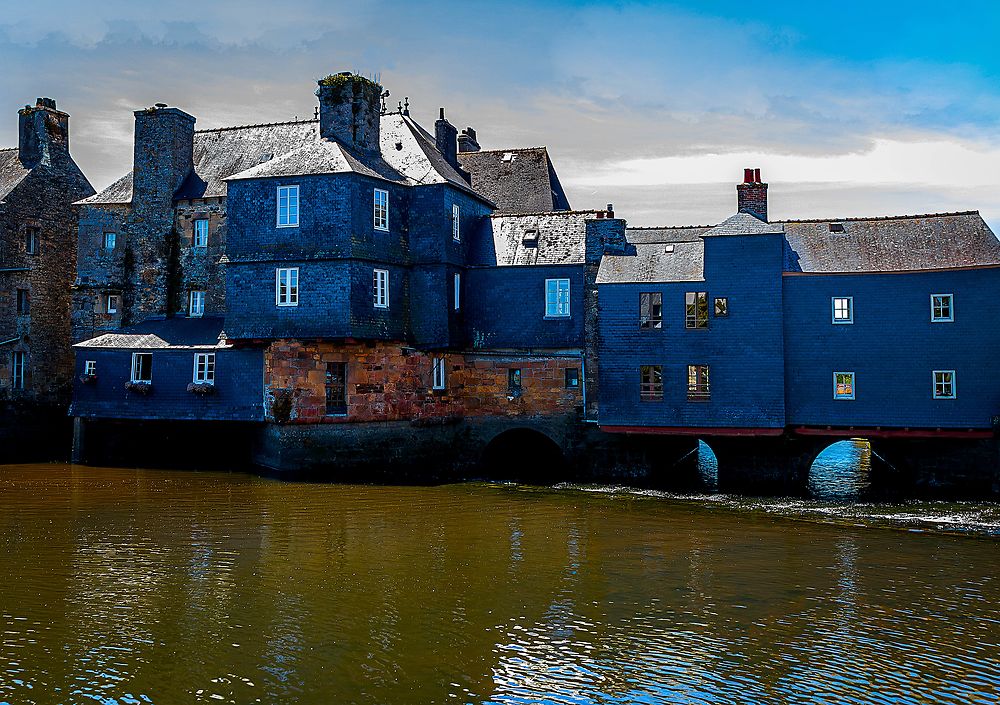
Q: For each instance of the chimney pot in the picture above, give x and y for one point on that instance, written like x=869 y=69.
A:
x=748 y=176
x=752 y=194
x=756 y=176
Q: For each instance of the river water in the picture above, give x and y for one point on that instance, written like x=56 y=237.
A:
x=170 y=587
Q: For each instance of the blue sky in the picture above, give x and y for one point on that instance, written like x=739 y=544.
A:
x=848 y=108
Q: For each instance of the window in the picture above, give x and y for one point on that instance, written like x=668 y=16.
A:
x=572 y=378
x=90 y=368
x=109 y=240
x=721 y=307
x=204 y=368
x=288 y=206
x=651 y=383
x=196 y=309
x=23 y=302
x=439 y=363
x=31 y=237
x=456 y=222
x=381 y=209
x=514 y=382
x=142 y=367
x=380 y=286
x=651 y=310
x=336 y=388
x=286 y=288
x=698 y=389
x=843 y=385
x=843 y=309
x=18 y=362
x=696 y=309
x=556 y=298
x=942 y=308
x=458 y=291
x=112 y=303
x=200 y=233
x=944 y=384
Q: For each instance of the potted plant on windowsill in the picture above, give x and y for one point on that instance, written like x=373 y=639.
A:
x=143 y=388
x=201 y=388
x=88 y=379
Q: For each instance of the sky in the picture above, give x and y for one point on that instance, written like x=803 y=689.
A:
x=848 y=108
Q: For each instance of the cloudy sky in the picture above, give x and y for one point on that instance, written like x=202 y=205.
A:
x=848 y=108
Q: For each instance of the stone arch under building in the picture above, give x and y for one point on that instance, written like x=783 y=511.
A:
x=523 y=455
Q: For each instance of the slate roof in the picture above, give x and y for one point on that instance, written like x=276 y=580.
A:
x=682 y=261
x=169 y=333
x=411 y=150
x=744 y=224
x=561 y=238
x=321 y=157
x=517 y=180
x=11 y=171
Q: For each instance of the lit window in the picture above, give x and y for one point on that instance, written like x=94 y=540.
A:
x=113 y=303
x=90 y=368
x=698 y=389
x=843 y=309
x=23 y=302
x=31 y=237
x=381 y=209
x=651 y=383
x=336 y=388
x=109 y=240
x=843 y=385
x=696 y=309
x=456 y=222
x=944 y=384
x=286 y=288
x=721 y=307
x=380 y=288
x=458 y=291
x=651 y=310
x=514 y=382
x=142 y=367
x=204 y=368
x=942 y=308
x=201 y=233
x=18 y=363
x=556 y=298
x=288 y=206
x=572 y=377
x=197 y=306
x=439 y=366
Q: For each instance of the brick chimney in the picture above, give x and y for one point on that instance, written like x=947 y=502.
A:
x=163 y=153
x=350 y=108
x=752 y=194
x=467 y=141
x=445 y=136
x=42 y=133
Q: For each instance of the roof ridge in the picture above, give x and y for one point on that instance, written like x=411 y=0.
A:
x=261 y=124
x=8 y=149
x=567 y=212
x=878 y=217
x=671 y=227
x=506 y=149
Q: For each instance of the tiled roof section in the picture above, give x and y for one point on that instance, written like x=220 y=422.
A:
x=322 y=157
x=176 y=333
x=898 y=243
x=680 y=234
x=678 y=261
x=534 y=239
x=744 y=224
x=517 y=180
x=11 y=171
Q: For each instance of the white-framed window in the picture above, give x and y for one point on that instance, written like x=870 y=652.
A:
x=380 y=288
x=439 y=373
x=110 y=239
x=843 y=385
x=31 y=238
x=944 y=384
x=204 y=368
x=200 y=238
x=142 y=368
x=90 y=368
x=196 y=307
x=456 y=222
x=18 y=364
x=556 y=298
x=942 y=308
x=112 y=303
x=286 y=286
x=457 y=280
x=381 y=206
x=843 y=309
x=288 y=206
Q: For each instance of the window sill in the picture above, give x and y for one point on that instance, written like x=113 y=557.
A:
x=942 y=320
x=651 y=328
x=843 y=323
x=558 y=318
x=287 y=226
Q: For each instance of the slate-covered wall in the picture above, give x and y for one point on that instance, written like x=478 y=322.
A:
x=199 y=268
x=99 y=271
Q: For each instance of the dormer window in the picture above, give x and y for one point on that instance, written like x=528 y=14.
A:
x=288 y=206
x=836 y=227
x=381 y=209
x=530 y=238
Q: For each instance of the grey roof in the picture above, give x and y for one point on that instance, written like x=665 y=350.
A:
x=169 y=333
x=744 y=224
x=321 y=157
x=681 y=261
x=561 y=238
x=12 y=172
x=517 y=180
x=412 y=151
x=681 y=234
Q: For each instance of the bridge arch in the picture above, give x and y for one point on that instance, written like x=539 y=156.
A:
x=708 y=466
x=842 y=470
x=523 y=455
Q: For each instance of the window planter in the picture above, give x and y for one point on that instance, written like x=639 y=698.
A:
x=88 y=379
x=142 y=388
x=201 y=388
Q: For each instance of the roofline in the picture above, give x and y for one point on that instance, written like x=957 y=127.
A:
x=262 y=124
x=922 y=270
x=671 y=227
x=499 y=214
x=509 y=149
x=879 y=218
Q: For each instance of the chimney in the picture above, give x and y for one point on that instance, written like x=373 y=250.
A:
x=163 y=153
x=752 y=194
x=445 y=134
x=350 y=108
x=467 y=141
x=42 y=132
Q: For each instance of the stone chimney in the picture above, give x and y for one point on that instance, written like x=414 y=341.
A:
x=752 y=194
x=467 y=141
x=42 y=133
x=445 y=134
x=350 y=108
x=163 y=153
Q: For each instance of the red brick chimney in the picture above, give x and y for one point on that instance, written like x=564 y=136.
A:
x=752 y=194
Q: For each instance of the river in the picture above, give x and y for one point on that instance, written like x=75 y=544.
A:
x=171 y=587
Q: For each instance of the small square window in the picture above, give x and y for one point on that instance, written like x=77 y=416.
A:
x=572 y=378
x=942 y=308
x=698 y=389
x=204 y=368
x=651 y=310
x=110 y=240
x=843 y=385
x=381 y=209
x=288 y=206
x=200 y=233
x=196 y=308
x=90 y=368
x=456 y=222
x=556 y=298
x=944 y=384
x=721 y=307
x=142 y=368
x=286 y=286
x=380 y=288
x=696 y=309
x=112 y=303
x=843 y=309
x=439 y=373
